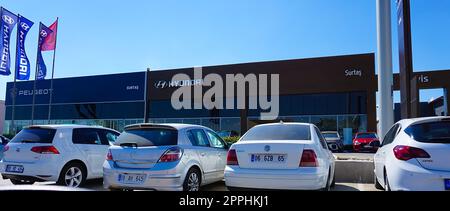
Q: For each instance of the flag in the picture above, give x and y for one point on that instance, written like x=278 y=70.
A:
x=44 y=32
x=22 y=62
x=50 y=42
x=8 y=22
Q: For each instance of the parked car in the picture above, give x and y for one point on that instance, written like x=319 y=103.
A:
x=3 y=142
x=166 y=157
x=283 y=156
x=414 y=156
x=334 y=141
x=366 y=142
x=227 y=133
x=67 y=154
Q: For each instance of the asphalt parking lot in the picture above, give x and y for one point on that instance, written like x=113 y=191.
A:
x=96 y=185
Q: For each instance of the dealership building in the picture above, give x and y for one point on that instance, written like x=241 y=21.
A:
x=335 y=93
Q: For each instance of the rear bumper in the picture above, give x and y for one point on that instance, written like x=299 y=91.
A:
x=412 y=177
x=43 y=170
x=160 y=180
x=299 y=179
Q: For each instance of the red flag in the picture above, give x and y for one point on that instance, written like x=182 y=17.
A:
x=49 y=43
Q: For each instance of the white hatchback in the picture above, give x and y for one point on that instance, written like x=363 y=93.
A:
x=285 y=156
x=67 y=154
x=415 y=156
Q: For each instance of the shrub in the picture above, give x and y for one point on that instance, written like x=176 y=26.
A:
x=232 y=140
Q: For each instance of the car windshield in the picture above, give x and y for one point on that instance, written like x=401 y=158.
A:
x=330 y=135
x=434 y=132
x=35 y=135
x=148 y=137
x=278 y=132
x=367 y=135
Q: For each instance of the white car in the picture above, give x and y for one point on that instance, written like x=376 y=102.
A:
x=284 y=156
x=166 y=157
x=415 y=156
x=67 y=154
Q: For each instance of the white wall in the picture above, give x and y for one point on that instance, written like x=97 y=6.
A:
x=2 y=115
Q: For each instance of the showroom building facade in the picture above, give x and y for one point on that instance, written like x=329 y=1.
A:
x=335 y=93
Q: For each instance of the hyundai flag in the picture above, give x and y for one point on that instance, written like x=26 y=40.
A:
x=44 y=32
x=22 y=62
x=50 y=42
x=8 y=21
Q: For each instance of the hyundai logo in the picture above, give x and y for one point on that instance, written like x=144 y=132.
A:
x=43 y=33
x=161 y=84
x=25 y=26
x=8 y=19
x=18 y=150
x=267 y=148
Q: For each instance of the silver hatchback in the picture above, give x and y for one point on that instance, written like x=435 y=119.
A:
x=165 y=157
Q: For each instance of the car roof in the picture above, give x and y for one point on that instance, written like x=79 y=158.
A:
x=174 y=126
x=330 y=132
x=285 y=123
x=67 y=126
x=406 y=122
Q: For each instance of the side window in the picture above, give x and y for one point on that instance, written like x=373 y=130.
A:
x=321 y=139
x=86 y=136
x=198 y=138
x=215 y=140
x=109 y=137
x=390 y=136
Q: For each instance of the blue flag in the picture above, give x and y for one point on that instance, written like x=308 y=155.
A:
x=44 y=32
x=8 y=21
x=22 y=62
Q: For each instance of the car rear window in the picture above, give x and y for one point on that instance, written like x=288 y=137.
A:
x=366 y=135
x=278 y=132
x=434 y=132
x=148 y=137
x=35 y=135
x=330 y=135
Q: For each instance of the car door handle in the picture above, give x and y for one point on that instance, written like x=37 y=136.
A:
x=203 y=154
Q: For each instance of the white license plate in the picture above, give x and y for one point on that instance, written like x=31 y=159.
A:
x=268 y=158
x=14 y=169
x=134 y=179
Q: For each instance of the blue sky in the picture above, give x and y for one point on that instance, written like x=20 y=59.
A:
x=112 y=36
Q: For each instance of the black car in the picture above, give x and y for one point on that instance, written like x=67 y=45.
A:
x=334 y=141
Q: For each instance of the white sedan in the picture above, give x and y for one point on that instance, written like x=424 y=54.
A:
x=284 y=156
x=414 y=156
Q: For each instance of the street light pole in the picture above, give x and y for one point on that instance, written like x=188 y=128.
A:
x=384 y=63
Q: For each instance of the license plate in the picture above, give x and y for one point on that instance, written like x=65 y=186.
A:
x=134 y=179
x=447 y=184
x=268 y=158
x=14 y=169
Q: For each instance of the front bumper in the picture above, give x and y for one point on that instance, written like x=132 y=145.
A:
x=298 y=179
x=160 y=180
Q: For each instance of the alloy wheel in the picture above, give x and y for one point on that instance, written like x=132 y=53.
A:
x=73 y=177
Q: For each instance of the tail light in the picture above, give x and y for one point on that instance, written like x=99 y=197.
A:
x=406 y=153
x=309 y=159
x=5 y=148
x=109 y=156
x=45 y=150
x=232 y=159
x=171 y=155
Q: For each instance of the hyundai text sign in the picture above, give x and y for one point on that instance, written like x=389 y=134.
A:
x=176 y=84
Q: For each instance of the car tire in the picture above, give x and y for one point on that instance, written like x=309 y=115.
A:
x=328 y=185
x=21 y=182
x=72 y=175
x=333 y=184
x=192 y=181
x=387 y=186
x=378 y=186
